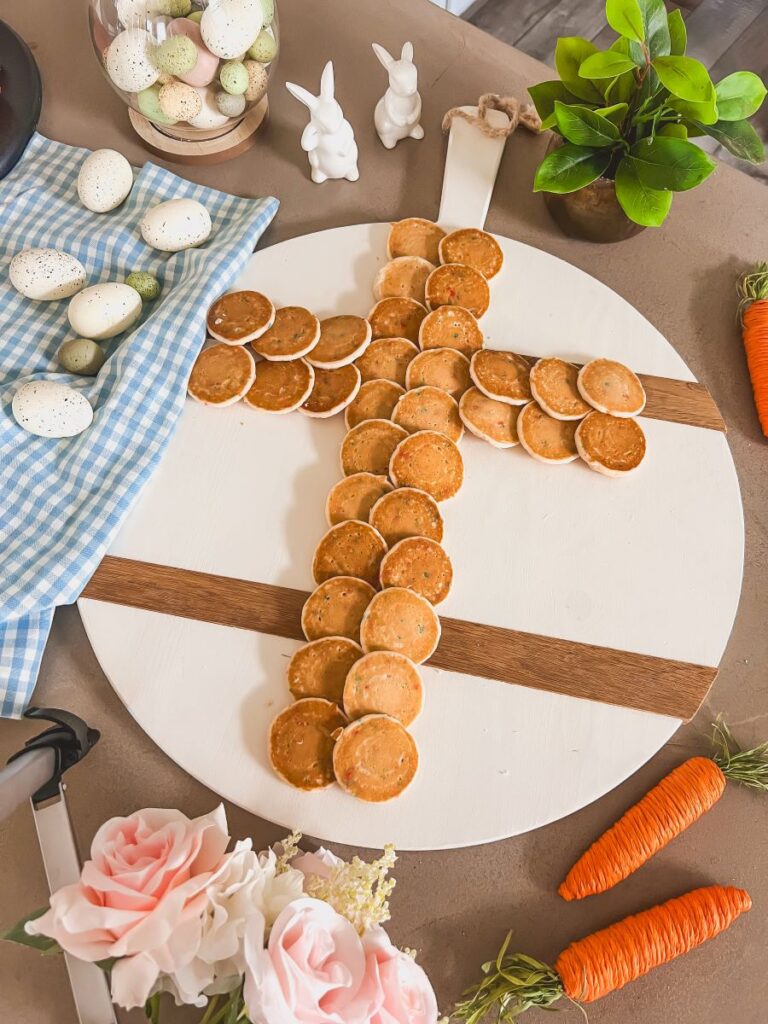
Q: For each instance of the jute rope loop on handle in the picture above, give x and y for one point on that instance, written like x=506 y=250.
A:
x=517 y=113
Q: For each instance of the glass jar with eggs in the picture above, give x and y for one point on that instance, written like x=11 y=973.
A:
x=194 y=73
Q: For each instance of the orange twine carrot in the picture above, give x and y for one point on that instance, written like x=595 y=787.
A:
x=663 y=813
x=753 y=310
x=607 y=960
x=604 y=961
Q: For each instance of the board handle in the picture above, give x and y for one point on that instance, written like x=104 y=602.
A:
x=471 y=165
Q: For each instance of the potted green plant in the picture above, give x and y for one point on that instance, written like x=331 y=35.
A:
x=623 y=118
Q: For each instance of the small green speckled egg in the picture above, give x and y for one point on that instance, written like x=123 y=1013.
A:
x=234 y=77
x=174 y=8
x=145 y=284
x=264 y=48
x=80 y=355
x=149 y=105
x=268 y=9
x=196 y=16
x=176 y=55
x=229 y=104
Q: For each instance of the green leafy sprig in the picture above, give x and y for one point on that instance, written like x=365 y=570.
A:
x=747 y=767
x=628 y=113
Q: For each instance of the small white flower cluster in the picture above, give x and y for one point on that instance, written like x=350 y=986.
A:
x=357 y=890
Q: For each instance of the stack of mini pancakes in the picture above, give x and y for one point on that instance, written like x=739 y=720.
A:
x=410 y=377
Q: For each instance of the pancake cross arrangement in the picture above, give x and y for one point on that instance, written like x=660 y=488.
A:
x=410 y=378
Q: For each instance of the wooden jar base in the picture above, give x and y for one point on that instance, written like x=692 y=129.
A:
x=194 y=149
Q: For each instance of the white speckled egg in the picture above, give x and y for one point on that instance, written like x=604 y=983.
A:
x=230 y=27
x=104 y=310
x=104 y=181
x=132 y=13
x=210 y=116
x=129 y=60
x=49 y=409
x=46 y=274
x=175 y=225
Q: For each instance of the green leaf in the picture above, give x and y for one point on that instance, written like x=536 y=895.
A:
x=608 y=64
x=685 y=77
x=643 y=205
x=41 y=942
x=544 y=95
x=625 y=18
x=673 y=131
x=569 y=168
x=621 y=89
x=615 y=113
x=585 y=127
x=704 y=112
x=570 y=53
x=656 y=27
x=739 y=95
x=664 y=163
x=678 y=33
x=738 y=137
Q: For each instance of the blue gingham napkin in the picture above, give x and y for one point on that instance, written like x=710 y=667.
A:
x=62 y=501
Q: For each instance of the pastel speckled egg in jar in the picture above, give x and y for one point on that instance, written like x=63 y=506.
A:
x=46 y=274
x=104 y=181
x=175 y=225
x=130 y=62
x=230 y=27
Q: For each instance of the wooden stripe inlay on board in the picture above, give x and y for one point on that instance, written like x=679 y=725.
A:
x=588 y=671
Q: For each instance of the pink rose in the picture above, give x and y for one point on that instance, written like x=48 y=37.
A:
x=313 y=970
x=319 y=864
x=140 y=897
x=406 y=994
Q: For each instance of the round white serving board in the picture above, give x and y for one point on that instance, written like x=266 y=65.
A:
x=650 y=564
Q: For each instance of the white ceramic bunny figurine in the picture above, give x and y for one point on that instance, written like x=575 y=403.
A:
x=328 y=139
x=398 y=111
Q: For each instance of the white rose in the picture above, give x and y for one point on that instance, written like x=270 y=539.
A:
x=249 y=883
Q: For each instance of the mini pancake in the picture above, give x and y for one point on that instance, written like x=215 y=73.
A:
x=451 y=327
x=375 y=758
x=495 y=422
x=354 y=497
x=320 y=668
x=301 y=742
x=443 y=368
x=611 y=387
x=332 y=391
x=336 y=608
x=294 y=333
x=342 y=340
x=375 y=400
x=553 y=386
x=349 y=549
x=383 y=683
x=502 y=375
x=403 y=277
x=368 y=447
x=418 y=564
x=429 y=461
x=610 y=445
x=407 y=512
x=455 y=284
x=415 y=236
x=397 y=318
x=474 y=248
x=544 y=438
x=429 y=408
x=402 y=621
x=281 y=387
x=387 y=359
x=238 y=317
x=222 y=374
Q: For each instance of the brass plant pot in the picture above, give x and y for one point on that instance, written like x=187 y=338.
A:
x=593 y=213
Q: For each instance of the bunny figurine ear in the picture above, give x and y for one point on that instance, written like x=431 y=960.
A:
x=407 y=52
x=302 y=95
x=326 y=82
x=385 y=57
